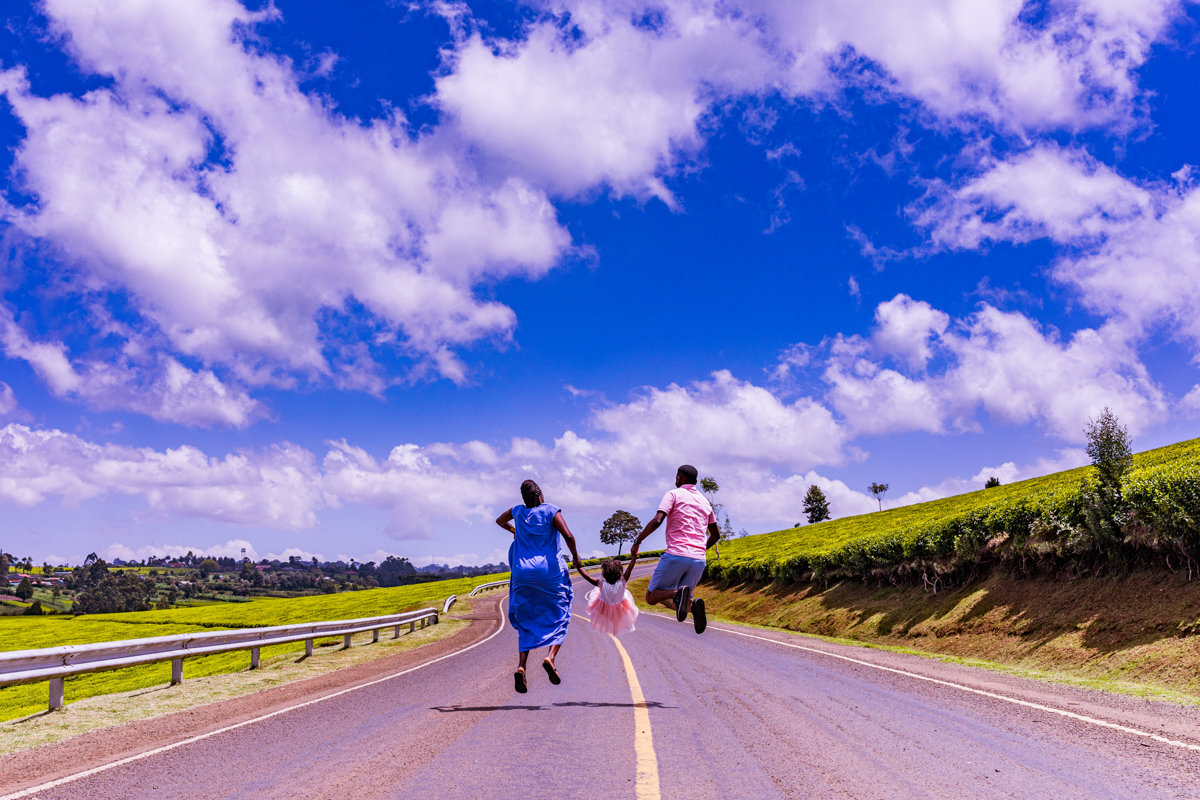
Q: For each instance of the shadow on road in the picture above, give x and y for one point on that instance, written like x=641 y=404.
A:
x=579 y=704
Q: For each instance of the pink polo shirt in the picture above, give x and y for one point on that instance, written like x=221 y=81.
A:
x=688 y=515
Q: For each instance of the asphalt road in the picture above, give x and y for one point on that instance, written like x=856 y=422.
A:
x=730 y=716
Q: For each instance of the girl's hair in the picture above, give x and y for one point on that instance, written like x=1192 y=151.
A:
x=611 y=570
x=531 y=493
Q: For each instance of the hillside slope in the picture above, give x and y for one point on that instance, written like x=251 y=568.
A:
x=1046 y=524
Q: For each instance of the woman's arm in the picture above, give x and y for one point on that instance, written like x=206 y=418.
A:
x=629 y=569
x=560 y=525
x=587 y=577
x=506 y=518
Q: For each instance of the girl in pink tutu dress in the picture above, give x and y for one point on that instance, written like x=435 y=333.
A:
x=610 y=605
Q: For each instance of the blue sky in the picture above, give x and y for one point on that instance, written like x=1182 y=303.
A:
x=333 y=280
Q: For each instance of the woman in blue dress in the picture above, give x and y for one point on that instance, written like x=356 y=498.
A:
x=539 y=592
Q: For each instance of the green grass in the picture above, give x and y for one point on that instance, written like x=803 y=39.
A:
x=21 y=633
x=1163 y=489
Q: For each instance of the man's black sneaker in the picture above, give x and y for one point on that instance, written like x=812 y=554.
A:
x=683 y=601
x=698 y=617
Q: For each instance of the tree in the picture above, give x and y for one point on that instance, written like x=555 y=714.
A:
x=115 y=593
x=1104 y=508
x=816 y=505
x=24 y=589
x=710 y=487
x=621 y=527
x=208 y=566
x=35 y=609
x=250 y=574
x=992 y=483
x=4 y=562
x=1109 y=447
x=879 y=490
x=395 y=572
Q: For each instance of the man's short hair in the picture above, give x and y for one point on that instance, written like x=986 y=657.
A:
x=689 y=473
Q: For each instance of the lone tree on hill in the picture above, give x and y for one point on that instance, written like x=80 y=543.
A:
x=992 y=483
x=620 y=528
x=1109 y=447
x=879 y=490
x=709 y=487
x=208 y=566
x=1104 y=507
x=24 y=589
x=816 y=505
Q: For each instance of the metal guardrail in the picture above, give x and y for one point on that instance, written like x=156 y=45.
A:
x=451 y=600
x=58 y=663
x=484 y=586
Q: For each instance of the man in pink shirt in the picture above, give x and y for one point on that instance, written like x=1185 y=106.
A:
x=691 y=530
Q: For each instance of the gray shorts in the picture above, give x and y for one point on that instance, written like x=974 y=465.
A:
x=674 y=571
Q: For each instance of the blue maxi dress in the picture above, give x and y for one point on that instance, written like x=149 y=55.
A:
x=539 y=592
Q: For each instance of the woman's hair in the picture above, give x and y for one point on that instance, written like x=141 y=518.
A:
x=531 y=493
x=611 y=570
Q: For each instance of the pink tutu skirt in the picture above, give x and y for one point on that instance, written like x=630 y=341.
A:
x=614 y=618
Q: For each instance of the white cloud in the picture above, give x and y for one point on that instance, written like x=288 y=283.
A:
x=1135 y=255
x=1190 y=403
x=616 y=93
x=608 y=103
x=303 y=555
x=722 y=425
x=1000 y=362
x=249 y=225
x=233 y=262
x=277 y=488
x=1075 y=68
x=230 y=549
x=9 y=407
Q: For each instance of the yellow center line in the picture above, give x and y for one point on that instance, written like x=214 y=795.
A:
x=643 y=736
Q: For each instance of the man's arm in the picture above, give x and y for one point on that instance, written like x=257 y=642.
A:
x=650 y=528
x=714 y=535
x=504 y=519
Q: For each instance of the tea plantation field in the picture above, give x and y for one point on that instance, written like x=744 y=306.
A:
x=1038 y=521
x=21 y=633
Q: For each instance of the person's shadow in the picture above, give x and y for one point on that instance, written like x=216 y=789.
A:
x=574 y=704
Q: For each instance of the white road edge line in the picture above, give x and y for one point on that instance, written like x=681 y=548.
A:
x=103 y=767
x=960 y=687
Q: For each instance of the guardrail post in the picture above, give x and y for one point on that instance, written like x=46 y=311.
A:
x=56 y=693
x=412 y=626
x=254 y=658
x=422 y=623
x=176 y=671
x=375 y=636
x=308 y=647
x=435 y=619
x=397 y=636
x=346 y=642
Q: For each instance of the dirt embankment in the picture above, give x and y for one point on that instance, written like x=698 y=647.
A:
x=1141 y=630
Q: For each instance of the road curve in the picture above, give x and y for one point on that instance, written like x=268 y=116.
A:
x=730 y=716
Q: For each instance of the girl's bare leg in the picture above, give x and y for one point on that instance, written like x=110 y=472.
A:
x=550 y=656
x=524 y=656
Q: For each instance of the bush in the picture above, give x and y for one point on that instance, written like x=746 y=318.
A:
x=35 y=609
